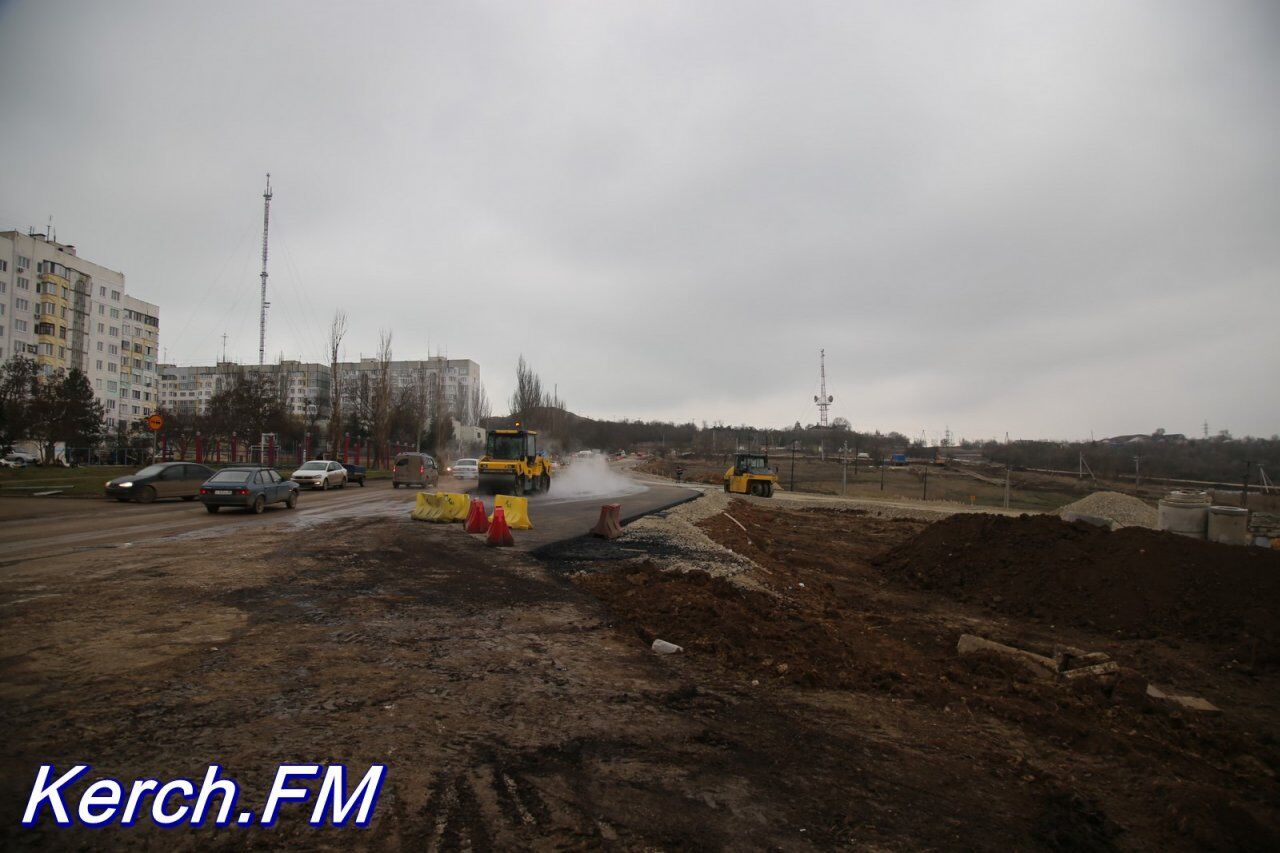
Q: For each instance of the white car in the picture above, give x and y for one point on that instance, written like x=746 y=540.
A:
x=465 y=469
x=320 y=474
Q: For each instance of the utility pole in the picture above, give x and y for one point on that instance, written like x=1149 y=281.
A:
x=793 y=464
x=844 y=469
x=1006 y=486
x=1244 y=487
x=262 y=312
x=1137 y=471
x=924 y=493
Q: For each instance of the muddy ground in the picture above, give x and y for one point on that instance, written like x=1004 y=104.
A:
x=517 y=705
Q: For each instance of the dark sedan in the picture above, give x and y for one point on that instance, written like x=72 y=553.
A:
x=250 y=488
x=165 y=480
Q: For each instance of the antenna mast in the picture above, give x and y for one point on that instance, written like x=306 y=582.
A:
x=262 y=314
x=823 y=399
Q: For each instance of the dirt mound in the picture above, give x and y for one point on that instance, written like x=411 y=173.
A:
x=1137 y=582
x=746 y=630
x=1124 y=510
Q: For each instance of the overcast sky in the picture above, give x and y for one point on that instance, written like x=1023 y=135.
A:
x=1051 y=219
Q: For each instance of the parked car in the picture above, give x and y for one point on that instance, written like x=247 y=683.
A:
x=415 y=469
x=164 y=480
x=21 y=458
x=355 y=473
x=249 y=487
x=465 y=469
x=321 y=474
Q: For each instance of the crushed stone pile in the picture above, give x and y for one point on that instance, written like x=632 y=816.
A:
x=1123 y=510
x=1131 y=582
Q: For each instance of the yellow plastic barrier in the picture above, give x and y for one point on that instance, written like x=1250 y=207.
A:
x=515 y=509
x=456 y=506
x=440 y=507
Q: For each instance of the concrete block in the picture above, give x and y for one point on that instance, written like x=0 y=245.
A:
x=1181 y=700
x=1038 y=665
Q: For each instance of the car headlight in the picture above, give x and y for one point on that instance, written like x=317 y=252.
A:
x=125 y=485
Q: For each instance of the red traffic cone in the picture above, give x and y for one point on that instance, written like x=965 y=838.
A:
x=477 y=519
x=499 y=533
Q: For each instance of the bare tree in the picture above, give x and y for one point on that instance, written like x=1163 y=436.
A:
x=528 y=395
x=382 y=402
x=337 y=331
x=475 y=408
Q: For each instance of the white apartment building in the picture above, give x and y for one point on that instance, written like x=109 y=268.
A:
x=65 y=312
x=304 y=387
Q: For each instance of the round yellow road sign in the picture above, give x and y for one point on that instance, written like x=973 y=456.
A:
x=155 y=422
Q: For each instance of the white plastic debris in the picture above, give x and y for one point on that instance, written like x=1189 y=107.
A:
x=662 y=647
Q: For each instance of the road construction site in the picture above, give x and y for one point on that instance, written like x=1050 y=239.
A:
x=887 y=674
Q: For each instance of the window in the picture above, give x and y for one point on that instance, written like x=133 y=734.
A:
x=62 y=352
x=24 y=283
x=99 y=367
x=111 y=366
x=22 y=304
x=101 y=310
x=113 y=349
x=102 y=291
x=45 y=349
x=19 y=325
x=1 y=330
x=4 y=265
x=115 y=296
x=111 y=404
x=137 y=395
x=115 y=313
x=135 y=410
x=99 y=346
x=111 y=385
x=23 y=263
x=115 y=333
x=4 y=287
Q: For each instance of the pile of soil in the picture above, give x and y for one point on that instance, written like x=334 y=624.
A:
x=745 y=630
x=1133 y=582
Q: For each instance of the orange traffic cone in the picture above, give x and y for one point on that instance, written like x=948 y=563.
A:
x=477 y=518
x=499 y=533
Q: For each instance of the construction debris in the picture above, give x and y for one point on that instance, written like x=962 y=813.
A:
x=1039 y=665
x=662 y=647
x=1182 y=701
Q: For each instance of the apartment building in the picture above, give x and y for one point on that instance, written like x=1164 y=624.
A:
x=67 y=312
x=305 y=387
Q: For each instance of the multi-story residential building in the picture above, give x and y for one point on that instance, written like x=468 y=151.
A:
x=67 y=312
x=305 y=387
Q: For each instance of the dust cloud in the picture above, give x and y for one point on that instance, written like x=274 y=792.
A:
x=590 y=477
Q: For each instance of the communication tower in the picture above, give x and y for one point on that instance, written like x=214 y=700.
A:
x=823 y=399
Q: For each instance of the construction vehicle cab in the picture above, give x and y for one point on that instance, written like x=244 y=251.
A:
x=750 y=475
x=511 y=464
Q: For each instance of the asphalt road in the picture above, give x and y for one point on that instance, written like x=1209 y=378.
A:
x=40 y=528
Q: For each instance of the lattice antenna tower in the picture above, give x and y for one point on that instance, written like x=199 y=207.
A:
x=823 y=399
x=262 y=312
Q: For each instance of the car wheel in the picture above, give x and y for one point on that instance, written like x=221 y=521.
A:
x=361 y=482
x=395 y=485
x=292 y=500
x=211 y=508
x=324 y=484
x=147 y=495
x=546 y=482
x=188 y=497
x=726 y=485
x=259 y=504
